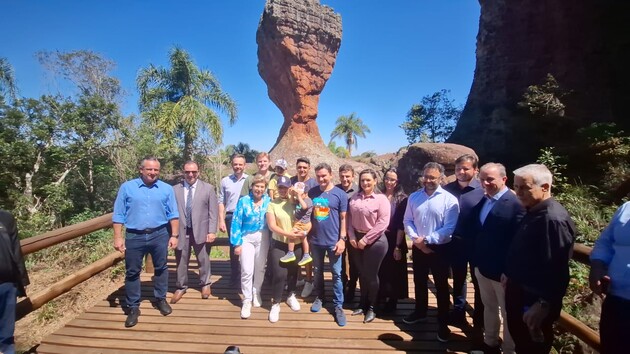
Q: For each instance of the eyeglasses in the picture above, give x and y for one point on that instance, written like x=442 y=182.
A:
x=430 y=178
x=387 y=179
x=191 y=172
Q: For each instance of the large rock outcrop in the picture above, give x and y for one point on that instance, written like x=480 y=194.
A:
x=584 y=44
x=298 y=41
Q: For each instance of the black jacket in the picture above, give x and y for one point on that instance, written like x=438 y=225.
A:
x=12 y=268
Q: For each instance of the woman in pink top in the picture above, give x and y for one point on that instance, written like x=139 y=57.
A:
x=367 y=219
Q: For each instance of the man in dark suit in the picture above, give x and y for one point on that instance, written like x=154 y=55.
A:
x=13 y=279
x=492 y=224
x=198 y=210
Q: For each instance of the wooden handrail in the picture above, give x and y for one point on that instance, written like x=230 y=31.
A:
x=580 y=330
x=582 y=253
x=37 y=300
x=50 y=238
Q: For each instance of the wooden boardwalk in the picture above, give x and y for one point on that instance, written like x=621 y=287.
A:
x=209 y=326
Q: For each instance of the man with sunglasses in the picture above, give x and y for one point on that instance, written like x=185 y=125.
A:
x=198 y=209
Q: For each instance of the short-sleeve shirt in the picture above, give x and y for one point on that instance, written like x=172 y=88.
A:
x=326 y=208
x=304 y=215
x=283 y=210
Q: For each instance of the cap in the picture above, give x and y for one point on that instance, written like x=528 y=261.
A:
x=282 y=163
x=284 y=181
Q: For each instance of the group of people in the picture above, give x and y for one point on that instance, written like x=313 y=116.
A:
x=516 y=242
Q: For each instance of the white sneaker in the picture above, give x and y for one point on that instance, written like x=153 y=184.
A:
x=293 y=303
x=257 y=301
x=246 y=310
x=308 y=289
x=300 y=283
x=274 y=314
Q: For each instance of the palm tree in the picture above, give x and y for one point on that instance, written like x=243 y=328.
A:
x=181 y=100
x=349 y=128
x=7 y=80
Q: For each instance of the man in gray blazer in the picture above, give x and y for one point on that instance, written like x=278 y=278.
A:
x=198 y=208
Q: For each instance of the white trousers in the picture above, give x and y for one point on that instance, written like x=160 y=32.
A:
x=253 y=260
x=493 y=298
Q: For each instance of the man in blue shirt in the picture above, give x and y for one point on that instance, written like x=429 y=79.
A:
x=430 y=219
x=610 y=261
x=146 y=206
x=328 y=237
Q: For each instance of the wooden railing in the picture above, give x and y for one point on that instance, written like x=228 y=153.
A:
x=51 y=238
x=585 y=333
x=581 y=254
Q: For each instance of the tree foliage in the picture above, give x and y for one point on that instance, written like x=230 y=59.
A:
x=432 y=120
x=544 y=100
x=349 y=128
x=87 y=70
x=180 y=101
x=243 y=149
x=339 y=151
x=7 y=80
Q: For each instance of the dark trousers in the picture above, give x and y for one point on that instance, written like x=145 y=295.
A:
x=8 y=299
x=182 y=258
x=614 y=324
x=283 y=273
x=459 y=256
x=517 y=300
x=137 y=246
x=235 y=264
x=350 y=277
x=438 y=263
x=368 y=262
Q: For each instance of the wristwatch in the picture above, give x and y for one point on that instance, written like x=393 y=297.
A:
x=176 y=236
x=543 y=303
x=343 y=238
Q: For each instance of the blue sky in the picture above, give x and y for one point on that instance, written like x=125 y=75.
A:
x=392 y=53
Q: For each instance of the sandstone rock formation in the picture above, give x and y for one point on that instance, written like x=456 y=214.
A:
x=585 y=45
x=298 y=41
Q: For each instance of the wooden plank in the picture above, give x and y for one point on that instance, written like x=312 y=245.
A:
x=197 y=326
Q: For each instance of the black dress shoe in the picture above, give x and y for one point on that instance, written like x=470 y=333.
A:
x=132 y=317
x=357 y=312
x=162 y=306
x=369 y=315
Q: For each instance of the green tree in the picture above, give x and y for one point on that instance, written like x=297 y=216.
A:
x=243 y=149
x=7 y=80
x=433 y=120
x=349 y=128
x=181 y=100
x=339 y=151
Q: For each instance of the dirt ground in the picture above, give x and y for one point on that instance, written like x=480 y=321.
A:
x=30 y=330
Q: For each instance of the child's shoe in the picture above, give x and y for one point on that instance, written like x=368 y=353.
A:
x=306 y=259
x=289 y=257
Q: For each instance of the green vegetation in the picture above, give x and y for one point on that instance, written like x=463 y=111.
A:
x=178 y=101
x=433 y=120
x=349 y=128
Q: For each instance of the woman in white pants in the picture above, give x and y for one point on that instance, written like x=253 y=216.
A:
x=249 y=235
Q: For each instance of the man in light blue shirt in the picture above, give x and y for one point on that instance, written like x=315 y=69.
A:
x=610 y=274
x=429 y=221
x=229 y=193
x=146 y=206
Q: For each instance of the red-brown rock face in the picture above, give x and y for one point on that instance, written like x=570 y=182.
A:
x=298 y=41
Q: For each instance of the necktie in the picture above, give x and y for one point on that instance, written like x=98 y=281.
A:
x=189 y=208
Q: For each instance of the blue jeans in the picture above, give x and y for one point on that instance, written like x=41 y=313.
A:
x=8 y=299
x=155 y=244
x=318 y=253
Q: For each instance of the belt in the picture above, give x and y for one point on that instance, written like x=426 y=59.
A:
x=229 y=213
x=146 y=231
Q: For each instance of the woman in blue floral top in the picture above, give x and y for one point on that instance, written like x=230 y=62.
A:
x=248 y=236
